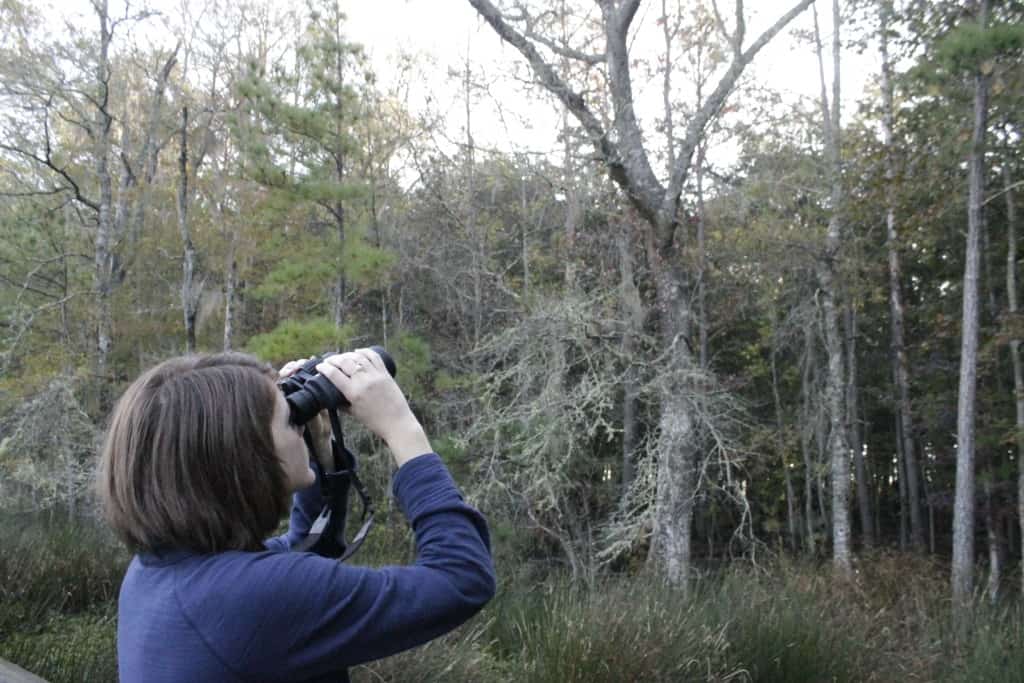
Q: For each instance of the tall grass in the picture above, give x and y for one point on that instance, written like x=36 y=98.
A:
x=58 y=587
x=791 y=622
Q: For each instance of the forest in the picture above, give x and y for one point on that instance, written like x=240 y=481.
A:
x=734 y=375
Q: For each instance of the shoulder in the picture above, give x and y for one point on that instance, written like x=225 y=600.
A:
x=248 y=581
x=252 y=608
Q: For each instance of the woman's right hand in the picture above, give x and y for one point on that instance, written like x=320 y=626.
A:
x=376 y=400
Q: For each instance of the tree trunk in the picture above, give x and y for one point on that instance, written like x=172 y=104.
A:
x=901 y=373
x=823 y=464
x=677 y=452
x=995 y=565
x=805 y=445
x=230 y=285
x=962 y=574
x=791 y=515
x=189 y=295
x=1018 y=372
x=856 y=439
x=475 y=232
x=634 y=314
x=103 y=275
x=702 y=317
x=838 y=448
x=150 y=150
x=901 y=476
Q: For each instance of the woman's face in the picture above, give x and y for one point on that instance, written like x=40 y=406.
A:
x=290 y=448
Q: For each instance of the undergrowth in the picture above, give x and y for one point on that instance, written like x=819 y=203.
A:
x=790 y=622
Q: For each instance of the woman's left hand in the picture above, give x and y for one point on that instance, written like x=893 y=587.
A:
x=319 y=427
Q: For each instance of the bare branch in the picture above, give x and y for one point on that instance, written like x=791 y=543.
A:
x=643 y=187
x=561 y=49
x=609 y=150
x=48 y=163
x=710 y=109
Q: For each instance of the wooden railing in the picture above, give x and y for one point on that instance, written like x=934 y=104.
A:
x=12 y=673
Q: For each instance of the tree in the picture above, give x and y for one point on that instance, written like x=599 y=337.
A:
x=899 y=354
x=827 y=268
x=623 y=151
x=963 y=521
x=69 y=89
x=303 y=149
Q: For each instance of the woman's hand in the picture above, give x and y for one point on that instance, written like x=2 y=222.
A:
x=376 y=400
x=319 y=427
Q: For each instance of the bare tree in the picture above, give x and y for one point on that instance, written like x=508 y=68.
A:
x=621 y=148
x=963 y=507
x=827 y=269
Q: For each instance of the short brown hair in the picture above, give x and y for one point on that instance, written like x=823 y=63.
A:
x=189 y=461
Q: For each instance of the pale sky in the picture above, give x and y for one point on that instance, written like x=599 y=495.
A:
x=512 y=117
x=444 y=31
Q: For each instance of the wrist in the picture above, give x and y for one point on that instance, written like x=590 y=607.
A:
x=408 y=440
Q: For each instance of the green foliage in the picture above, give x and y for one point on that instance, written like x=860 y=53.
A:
x=49 y=448
x=741 y=628
x=293 y=339
x=462 y=655
x=303 y=268
x=412 y=353
x=972 y=46
x=365 y=264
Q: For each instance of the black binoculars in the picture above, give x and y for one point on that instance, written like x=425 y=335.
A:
x=308 y=392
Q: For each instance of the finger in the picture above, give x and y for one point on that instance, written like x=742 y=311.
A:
x=339 y=358
x=348 y=362
x=333 y=373
x=373 y=358
x=290 y=368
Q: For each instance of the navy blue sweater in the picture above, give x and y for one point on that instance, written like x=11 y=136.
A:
x=290 y=616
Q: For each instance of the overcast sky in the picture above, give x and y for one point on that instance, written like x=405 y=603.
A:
x=442 y=32
x=513 y=116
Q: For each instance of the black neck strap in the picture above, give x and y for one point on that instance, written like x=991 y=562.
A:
x=327 y=534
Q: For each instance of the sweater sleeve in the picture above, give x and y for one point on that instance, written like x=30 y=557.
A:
x=306 y=616
x=306 y=507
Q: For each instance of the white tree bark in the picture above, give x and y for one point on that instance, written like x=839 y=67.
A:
x=838 y=448
x=963 y=506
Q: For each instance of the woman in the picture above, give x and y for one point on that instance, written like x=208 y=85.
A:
x=196 y=472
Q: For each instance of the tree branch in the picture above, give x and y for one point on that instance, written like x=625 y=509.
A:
x=711 y=108
x=47 y=162
x=573 y=101
x=561 y=49
x=643 y=187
